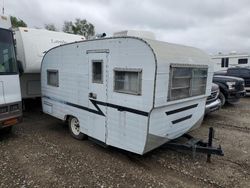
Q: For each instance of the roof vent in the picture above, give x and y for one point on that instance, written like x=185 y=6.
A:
x=135 y=33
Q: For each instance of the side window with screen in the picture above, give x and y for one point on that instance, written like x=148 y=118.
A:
x=127 y=81
x=97 y=71
x=187 y=82
x=53 y=78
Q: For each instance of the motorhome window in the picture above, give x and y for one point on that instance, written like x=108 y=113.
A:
x=127 y=81
x=52 y=78
x=97 y=72
x=243 y=61
x=8 y=63
x=224 y=62
x=187 y=82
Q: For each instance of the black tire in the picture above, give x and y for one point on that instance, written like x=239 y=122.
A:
x=7 y=130
x=233 y=102
x=222 y=99
x=74 y=129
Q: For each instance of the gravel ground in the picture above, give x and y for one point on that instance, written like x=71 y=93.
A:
x=41 y=153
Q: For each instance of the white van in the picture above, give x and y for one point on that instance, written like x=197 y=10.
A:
x=131 y=93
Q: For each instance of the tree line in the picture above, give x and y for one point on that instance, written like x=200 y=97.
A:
x=78 y=27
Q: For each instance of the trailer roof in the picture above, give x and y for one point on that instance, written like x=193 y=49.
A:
x=179 y=54
x=167 y=52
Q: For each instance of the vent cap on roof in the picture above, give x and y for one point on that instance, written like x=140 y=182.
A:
x=135 y=33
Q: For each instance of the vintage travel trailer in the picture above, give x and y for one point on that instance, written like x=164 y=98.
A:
x=131 y=93
x=31 y=45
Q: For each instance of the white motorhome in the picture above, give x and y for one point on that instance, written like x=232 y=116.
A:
x=131 y=93
x=10 y=94
x=233 y=59
x=31 y=45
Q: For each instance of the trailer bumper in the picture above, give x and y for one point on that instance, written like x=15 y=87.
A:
x=10 y=114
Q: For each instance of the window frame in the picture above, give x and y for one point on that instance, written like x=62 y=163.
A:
x=92 y=66
x=191 y=78
x=53 y=71
x=139 y=78
x=242 y=59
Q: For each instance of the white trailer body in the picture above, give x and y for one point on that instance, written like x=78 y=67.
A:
x=131 y=93
x=224 y=61
x=10 y=94
x=31 y=45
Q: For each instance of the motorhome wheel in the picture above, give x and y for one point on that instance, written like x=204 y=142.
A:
x=74 y=128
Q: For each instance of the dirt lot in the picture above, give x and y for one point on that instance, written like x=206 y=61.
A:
x=41 y=153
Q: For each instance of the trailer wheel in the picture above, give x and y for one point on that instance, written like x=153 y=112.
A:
x=222 y=98
x=74 y=128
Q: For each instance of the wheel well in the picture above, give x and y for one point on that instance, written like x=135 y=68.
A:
x=66 y=117
x=222 y=89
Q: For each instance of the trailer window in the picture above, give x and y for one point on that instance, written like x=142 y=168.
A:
x=224 y=62
x=243 y=61
x=187 y=82
x=97 y=72
x=52 y=78
x=127 y=81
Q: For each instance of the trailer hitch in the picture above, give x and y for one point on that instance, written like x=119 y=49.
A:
x=197 y=145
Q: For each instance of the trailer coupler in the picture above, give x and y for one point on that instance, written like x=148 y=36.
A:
x=197 y=145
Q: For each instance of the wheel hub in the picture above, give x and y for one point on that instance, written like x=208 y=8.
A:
x=75 y=127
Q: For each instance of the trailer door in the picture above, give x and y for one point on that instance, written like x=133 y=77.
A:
x=98 y=94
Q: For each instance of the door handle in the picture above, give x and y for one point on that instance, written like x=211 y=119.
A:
x=92 y=95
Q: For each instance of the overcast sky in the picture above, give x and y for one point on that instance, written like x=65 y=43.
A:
x=212 y=25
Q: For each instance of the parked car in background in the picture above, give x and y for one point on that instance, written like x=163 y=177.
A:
x=213 y=102
x=241 y=72
x=231 y=88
